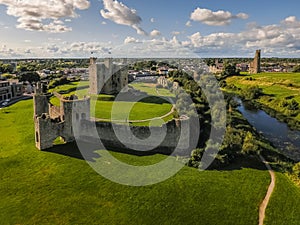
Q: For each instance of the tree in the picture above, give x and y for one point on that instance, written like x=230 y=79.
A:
x=6 y=68
x=229 y=70
x=252 y=92
x=250 y=145
x=30 y=77
x=296 y=69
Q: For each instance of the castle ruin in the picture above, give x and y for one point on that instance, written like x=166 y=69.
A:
x=107 y=77
x=73 y=117
x=254 y=66
x=52 y=121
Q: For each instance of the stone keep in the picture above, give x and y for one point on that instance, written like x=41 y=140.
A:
x=107 y=77
x=255 y=64
x=52 y=121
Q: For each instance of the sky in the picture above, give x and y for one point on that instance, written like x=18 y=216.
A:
x=156 y=28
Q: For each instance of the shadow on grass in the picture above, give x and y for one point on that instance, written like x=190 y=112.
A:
x=249 y=162
x=73 y=89
x=91 y=151
x=145 y=98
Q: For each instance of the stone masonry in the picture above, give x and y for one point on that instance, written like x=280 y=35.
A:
x=254 y=67
x=107 y=77
x=52 y=121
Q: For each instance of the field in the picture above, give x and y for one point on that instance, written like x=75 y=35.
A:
x=40 y=187
x=147 y=109
x=277 y=87
x=278 y=207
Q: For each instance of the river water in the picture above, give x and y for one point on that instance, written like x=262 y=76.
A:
x=278 y=133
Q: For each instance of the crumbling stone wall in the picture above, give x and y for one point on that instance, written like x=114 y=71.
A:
x=73 y=117
x=255 y=64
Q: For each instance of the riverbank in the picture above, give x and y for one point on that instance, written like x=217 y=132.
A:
x=279 y=95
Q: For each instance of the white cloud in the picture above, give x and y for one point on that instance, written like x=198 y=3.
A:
x=282 y=39
x=218 y=18
x=121 y=14
x=129 y=40
x=160 y=47
x=188 y=24
x=44 y=15
x=152 y=20
x=278 y=38
x=27 y=51
x=175 y=33
x=103 y=23
x=155 y=33
x=7 y=52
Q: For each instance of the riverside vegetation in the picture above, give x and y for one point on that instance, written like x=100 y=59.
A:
x=275 y=93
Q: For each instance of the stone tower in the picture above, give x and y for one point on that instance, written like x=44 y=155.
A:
x=52 y=121
x=255 y=64
x=40 y=100
x=107 y=77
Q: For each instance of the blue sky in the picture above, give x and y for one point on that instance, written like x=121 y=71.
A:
x=135 y=28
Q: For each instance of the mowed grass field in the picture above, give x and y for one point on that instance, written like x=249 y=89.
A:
x=40 y=187
x=276 y=86
x=102 y=105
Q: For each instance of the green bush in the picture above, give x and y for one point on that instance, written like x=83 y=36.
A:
x=57 y=82
x=293 y=105
x=252 y=92
x=250 y=146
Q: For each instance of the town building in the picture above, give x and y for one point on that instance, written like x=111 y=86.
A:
x=10 y=90
x=242 y=67
x=217 y=67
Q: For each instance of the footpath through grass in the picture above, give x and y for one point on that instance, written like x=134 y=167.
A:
x=39 y=187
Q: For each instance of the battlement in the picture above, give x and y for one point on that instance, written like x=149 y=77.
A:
x=57 y=121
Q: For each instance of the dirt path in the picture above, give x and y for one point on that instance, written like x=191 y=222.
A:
x=264 y=204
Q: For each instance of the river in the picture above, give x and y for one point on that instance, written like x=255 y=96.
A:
x=278 y=133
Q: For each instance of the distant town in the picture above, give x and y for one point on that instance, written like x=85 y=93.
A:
x=18 y=76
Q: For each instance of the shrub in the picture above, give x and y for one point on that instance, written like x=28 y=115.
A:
x=293 y=105
x=252 y=92
x=250 y=146
x=57 y=82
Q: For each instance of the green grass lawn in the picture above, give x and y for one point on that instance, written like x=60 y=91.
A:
x=39 y=187
x=277 y=86
x=150 y=89
x=139 y=111
x=285 y=203
x=102 y=107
